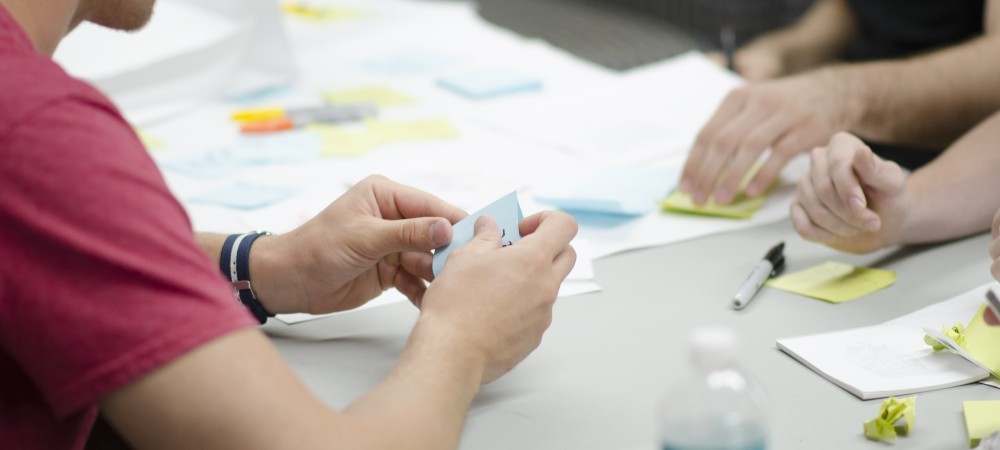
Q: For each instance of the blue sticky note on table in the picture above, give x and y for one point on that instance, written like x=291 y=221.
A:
x=243 y=195
x=621 y=190
x=486 y=83
x=506 y=212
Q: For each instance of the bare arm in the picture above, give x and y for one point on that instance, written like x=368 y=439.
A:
x=853 y=201
x=820 y=36
x=958 y=193
x=236 y=392
x=928 y=100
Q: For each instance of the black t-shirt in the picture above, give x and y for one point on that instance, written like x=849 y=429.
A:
x=895 y=28
x=898 y=28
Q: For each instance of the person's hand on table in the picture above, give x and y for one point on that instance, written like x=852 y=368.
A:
x=499 y=299
x=991 y=318
x=788 y=115
x=376 y=236
x=851 y=200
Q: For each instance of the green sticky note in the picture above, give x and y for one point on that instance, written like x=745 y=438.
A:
x=378 y=95
x=982 y=341
x=982 y=418
x=886 y=426
x=834 y=282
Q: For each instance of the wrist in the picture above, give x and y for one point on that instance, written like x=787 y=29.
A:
x=437 y=339
x=842 y=83
x=273 y=274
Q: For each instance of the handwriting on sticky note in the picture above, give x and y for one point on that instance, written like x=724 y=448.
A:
x=982 y=418
x=506 y=212
x=835 y=282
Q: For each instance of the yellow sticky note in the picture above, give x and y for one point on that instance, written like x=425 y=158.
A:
x=148 y=140
x=742 y=207
x=982 y=418
x=982 y=341
x=834 y=282
x=380 y=96
x=304 y=10
x=336 y=141
x=412 y=130
x=884 y=427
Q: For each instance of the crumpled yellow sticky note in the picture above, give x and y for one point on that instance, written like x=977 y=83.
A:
x=884 y=428
x=834 y=282
x=956 y=333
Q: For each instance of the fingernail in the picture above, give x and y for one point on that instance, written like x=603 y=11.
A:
x=484 y=222
x=856 y=203
x=440 y=233
x=723 y=196
x=753 y=189
x=872 y=225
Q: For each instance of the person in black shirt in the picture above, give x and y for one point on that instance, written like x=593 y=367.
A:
x=908 y=77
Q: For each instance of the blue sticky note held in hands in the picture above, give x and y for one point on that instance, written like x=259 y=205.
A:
x=482 y=84
x=242 y=195
x=506 y=212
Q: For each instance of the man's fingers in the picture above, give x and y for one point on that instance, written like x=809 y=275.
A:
x=418 y=263
x=549 y=230
x=883 y=176
x=806 y=228
x=832 y=176
x=564 y=263
x=410 y=235
x=486 y=234
x=396 y=201
x=752 y=146
x=818 y=213
x=410 y=286
x=727 y=111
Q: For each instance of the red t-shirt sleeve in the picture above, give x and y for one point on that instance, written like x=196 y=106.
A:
x=101 y=280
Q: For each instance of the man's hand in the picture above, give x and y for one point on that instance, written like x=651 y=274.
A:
x=851 y=200
x=497 y=301
x=376 y=236
x=754 y=62
x=995 y=267
x=788 y=115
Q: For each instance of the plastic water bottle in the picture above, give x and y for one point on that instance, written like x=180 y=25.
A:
x=718 y=407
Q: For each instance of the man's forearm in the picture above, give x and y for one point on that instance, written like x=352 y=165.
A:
x=925 y=101
x=820 y=36
x=956 y=194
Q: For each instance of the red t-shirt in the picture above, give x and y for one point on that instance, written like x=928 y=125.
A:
x=101 y=280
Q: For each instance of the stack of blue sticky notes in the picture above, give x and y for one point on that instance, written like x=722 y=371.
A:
x=243 y=195
x=506 y=212
x=622 y=190
x=485 y=83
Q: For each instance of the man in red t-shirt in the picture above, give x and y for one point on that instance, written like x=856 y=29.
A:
x=108 y=301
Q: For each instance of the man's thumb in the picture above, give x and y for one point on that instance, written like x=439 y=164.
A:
x=487 y=233
x=882 y=176
x=416 y=235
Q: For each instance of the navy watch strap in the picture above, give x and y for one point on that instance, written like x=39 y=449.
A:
x=227 y=249
x=238 y=271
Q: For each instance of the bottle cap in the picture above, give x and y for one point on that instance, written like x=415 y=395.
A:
x=713 y=346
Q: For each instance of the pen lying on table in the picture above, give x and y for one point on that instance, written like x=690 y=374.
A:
x=771 y=265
